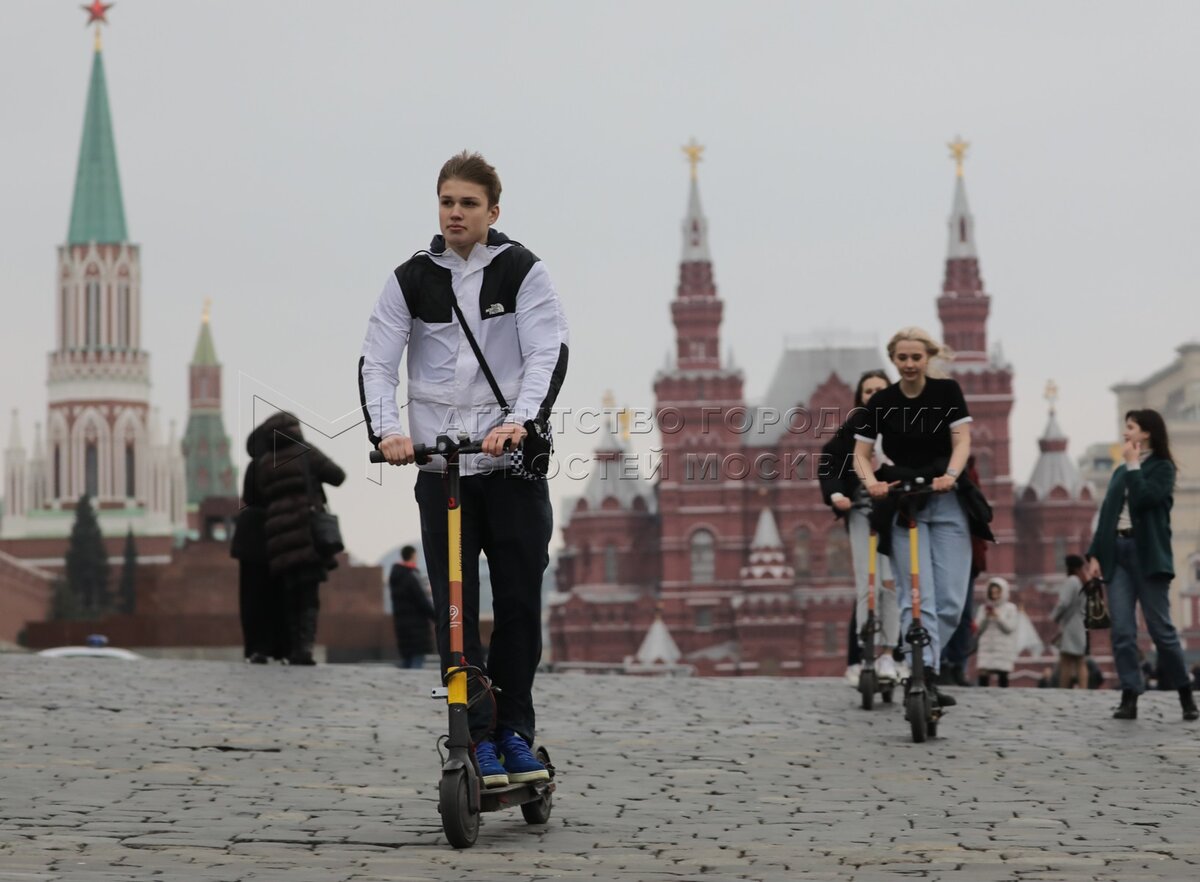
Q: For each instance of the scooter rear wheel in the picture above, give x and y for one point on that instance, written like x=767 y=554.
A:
x=538 y=811
x=459 y=823
x=868 y=682
x=916 y=710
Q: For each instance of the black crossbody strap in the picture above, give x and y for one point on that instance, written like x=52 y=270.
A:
x=487 y=371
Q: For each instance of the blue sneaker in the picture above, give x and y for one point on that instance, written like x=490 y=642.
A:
x=490 y=770
x=520 y=763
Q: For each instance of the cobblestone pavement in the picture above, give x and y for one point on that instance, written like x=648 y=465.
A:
x=172 y=770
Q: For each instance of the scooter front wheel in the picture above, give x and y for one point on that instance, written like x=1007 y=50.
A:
x=868 y=682
x=918 y=717
x=459 y=823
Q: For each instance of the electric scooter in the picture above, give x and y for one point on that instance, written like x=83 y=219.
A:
x=920 y=706
x=461 y=800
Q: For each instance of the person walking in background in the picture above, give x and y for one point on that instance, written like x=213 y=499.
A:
x=289 y=478
x=261 y=605
x=845 y=494
x=412 y=610
x=997 y=622
x=1072 y=637
x=1131 y=550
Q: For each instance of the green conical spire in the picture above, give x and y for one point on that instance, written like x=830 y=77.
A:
x=206 y=353
x=97 y=214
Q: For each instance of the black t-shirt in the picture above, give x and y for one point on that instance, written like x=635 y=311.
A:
x=916 y=431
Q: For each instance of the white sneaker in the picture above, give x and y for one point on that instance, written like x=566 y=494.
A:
x=852 y=673
x=885 y=666
x=903 y=671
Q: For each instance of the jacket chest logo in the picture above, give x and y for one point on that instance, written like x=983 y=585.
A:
x=494 y=309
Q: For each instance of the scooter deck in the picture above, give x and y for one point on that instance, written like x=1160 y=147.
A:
x=495 y=799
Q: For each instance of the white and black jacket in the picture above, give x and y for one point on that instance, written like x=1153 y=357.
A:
x=512 y=308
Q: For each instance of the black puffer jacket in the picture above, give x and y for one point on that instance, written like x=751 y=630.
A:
x=289 y=475
x=412 y=610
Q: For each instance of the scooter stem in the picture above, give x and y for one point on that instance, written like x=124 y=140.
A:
x=456 y=692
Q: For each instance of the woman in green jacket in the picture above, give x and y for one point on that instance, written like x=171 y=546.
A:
x=1131 y=550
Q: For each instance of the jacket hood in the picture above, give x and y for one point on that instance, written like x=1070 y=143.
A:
x=495 y=238
x=264 y=439
x=1004 y=589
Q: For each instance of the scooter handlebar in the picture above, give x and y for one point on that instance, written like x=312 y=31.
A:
x=911 y=487
x=444 y=446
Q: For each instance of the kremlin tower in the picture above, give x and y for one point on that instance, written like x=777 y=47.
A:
x=102 y=437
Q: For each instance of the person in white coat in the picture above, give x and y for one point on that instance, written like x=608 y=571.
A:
x=996 y=623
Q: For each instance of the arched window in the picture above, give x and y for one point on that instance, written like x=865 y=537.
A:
x=129 y=470
x=610 y=564
x=837 y=553
x=91 y=469
x=92 y=321
x=1060 y=552
x=123 y=324
x=704 y=557
x=802 y=552
x=65 y=315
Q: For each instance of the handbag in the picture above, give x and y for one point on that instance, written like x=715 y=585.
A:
x=326 y=530
x=530 y=461
x=1095 y=607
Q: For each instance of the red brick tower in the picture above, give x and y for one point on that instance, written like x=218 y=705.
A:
x=985 y=378
x=701 y=508
x=1054 y=510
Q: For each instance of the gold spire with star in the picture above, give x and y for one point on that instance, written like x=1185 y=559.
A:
x=1051 y=394
x=958 y=152
x=98 y=15
x=695 y=155
x=207 y=311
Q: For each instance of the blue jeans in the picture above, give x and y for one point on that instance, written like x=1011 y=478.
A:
x=1128 y=588
x=944 y=557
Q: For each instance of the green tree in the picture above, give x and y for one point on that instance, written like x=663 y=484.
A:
x=63 y=602
x=126 y=591
x=87 y=562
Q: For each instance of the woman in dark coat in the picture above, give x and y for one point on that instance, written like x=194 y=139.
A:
x=1131 y=550
x=289 y=478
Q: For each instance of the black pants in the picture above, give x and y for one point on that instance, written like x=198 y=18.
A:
x=985 y=678
x=262 y=604
x=511 y=522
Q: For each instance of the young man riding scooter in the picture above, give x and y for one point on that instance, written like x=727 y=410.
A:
x=487 y=352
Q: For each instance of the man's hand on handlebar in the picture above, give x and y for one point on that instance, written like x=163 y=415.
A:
x=397 y=449
x=503 y=438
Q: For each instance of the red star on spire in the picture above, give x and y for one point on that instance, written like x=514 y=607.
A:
x=97 y=11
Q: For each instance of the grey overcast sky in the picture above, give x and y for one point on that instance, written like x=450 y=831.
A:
x=280 y=158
